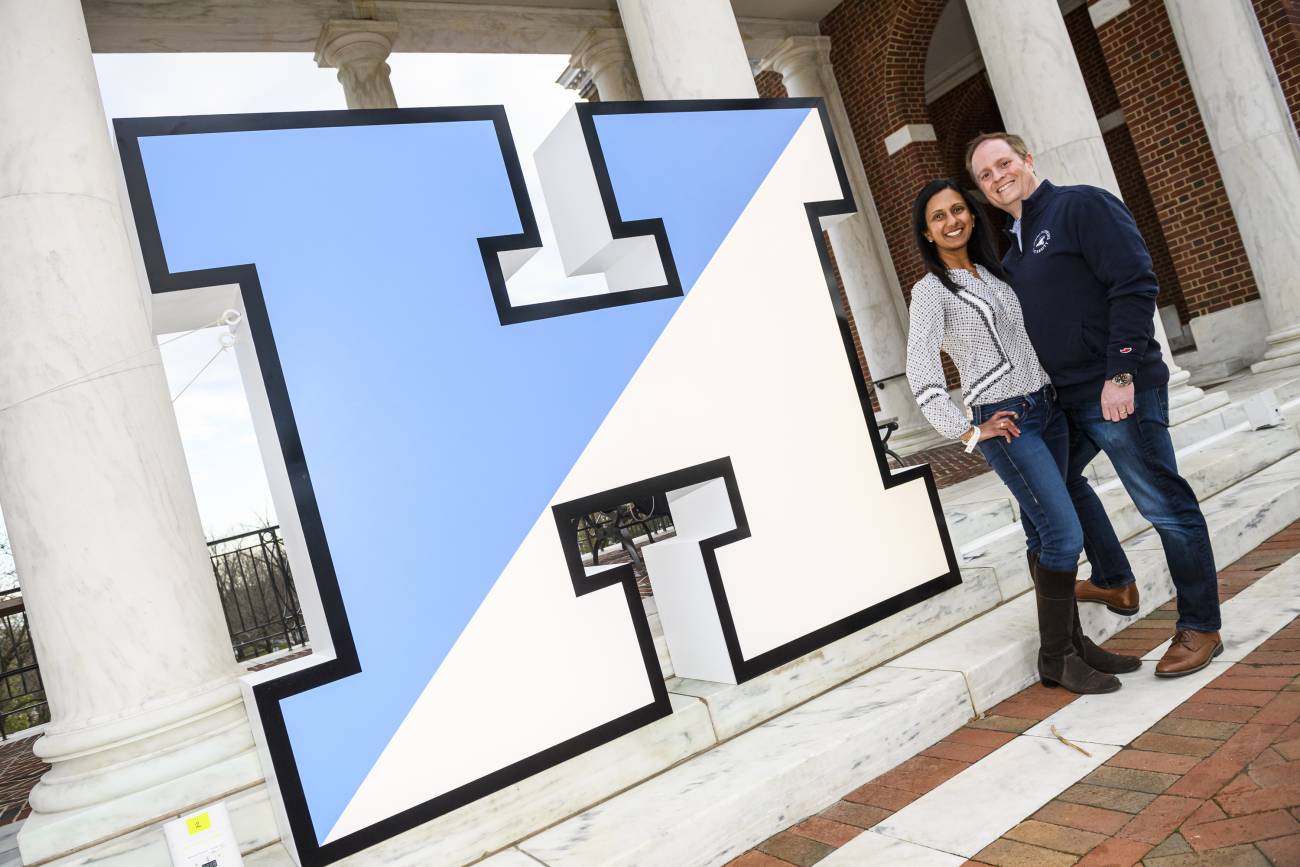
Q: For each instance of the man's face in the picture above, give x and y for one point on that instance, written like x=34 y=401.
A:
x=1005 y=178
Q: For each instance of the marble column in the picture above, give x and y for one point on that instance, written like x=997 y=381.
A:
x=359 y=50
x=861 y=252
x=687 y=49
x=1254 y=142
x=147 y=717
x=1042 y=96
x=605 y=55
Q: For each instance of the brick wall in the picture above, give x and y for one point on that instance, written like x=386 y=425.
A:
x=769 y=85
x=1280 y=21
x=959 y=115
x=1182 y=177
x=878 y=50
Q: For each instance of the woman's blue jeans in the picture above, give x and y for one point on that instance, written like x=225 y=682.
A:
x=1033 y=467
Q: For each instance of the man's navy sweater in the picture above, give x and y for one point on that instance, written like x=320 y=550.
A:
x=1085 y=282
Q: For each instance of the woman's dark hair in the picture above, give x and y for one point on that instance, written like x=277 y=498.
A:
x=980 y=245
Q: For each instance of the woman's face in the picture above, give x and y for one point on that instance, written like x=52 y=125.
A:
x=948 y=222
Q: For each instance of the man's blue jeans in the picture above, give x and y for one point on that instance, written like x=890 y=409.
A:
x=1033 y=466
x=1143 y=456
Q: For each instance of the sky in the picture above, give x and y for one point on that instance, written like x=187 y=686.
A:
x=212 y=413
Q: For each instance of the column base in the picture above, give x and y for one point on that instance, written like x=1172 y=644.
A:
x=46 y=836
x=1279 y=363
x=1283 y=351
x=1198 y=406
x=1186 y=401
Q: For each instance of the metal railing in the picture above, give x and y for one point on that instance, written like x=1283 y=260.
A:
x=22 y=694
x=257 y=593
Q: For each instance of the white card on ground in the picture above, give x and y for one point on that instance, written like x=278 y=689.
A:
x=203 y=838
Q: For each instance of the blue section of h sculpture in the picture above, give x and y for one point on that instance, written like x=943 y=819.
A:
x=434 y=435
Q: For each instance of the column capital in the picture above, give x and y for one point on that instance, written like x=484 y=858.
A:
x=344 y=42
x=603 y=57
x=601 y=46
x=798 y=53
x=359 y=49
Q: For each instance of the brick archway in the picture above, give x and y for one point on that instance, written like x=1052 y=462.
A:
x=961 y=114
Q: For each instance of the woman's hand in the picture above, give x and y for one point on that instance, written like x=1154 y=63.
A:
x=1001 y=424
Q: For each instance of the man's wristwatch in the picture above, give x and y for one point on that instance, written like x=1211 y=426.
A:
x=1122 y=379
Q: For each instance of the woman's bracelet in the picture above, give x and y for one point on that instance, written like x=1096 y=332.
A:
x=974 y=438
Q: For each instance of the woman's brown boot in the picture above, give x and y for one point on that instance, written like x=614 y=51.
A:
x=1059 y=664
x=1102 y=660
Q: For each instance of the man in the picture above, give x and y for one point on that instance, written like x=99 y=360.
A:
x=1084 y=279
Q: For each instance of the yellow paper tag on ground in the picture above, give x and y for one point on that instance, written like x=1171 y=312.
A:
x=198 y=823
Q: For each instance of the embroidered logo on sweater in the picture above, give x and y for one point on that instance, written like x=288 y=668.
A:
x=1040 y=241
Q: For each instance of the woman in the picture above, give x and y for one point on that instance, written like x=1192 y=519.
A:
x=964 y=307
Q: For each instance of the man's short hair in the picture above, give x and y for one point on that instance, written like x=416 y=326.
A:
x=1017 y=144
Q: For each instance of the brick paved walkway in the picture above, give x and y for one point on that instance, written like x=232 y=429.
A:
x=19 y=771
x=1216 y=782
x=950 y=464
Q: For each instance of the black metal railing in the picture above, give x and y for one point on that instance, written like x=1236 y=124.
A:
x=257 y=593
x=22 y=694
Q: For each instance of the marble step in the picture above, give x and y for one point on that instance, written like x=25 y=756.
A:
x=1180 y=412
x=996 y=653
x=969 y=521
x=985 y=486
x=9 y=856
x=708 y=810
x=1287 y=391
x=1212 y=467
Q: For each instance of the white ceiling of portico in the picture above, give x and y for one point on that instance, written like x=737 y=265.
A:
x=525 y=26
x=790 y=10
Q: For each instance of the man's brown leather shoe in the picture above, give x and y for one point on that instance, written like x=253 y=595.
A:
x=1121 y=600
x=1190 y=651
